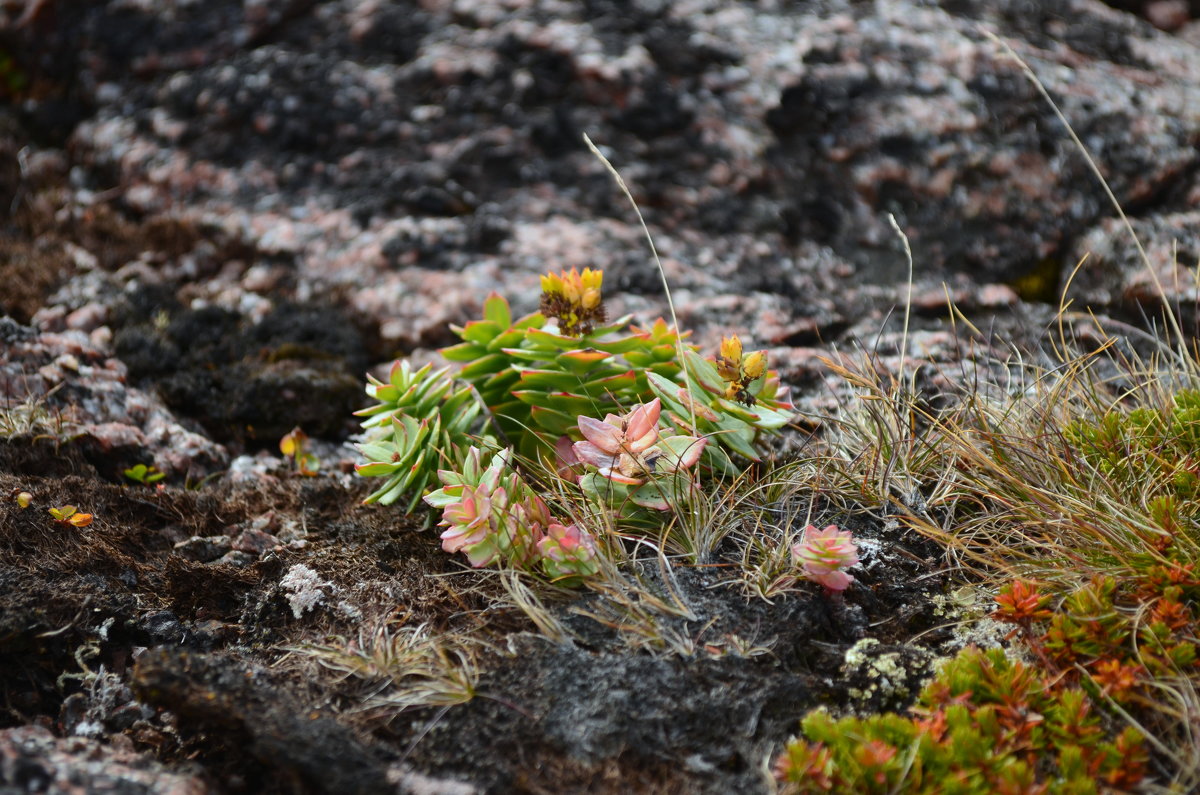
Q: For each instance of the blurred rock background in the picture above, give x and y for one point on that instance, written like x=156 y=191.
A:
x=235 y=208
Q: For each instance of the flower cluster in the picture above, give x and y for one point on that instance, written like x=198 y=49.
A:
x=574 y=299
x=740 y=372
x=825 y=554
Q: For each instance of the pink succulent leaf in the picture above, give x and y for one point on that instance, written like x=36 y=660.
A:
x=473 y=506
x=560 y=541
x=601 y=434
x=533 y=513
x=462 y=536
x=566 y=462
x=617 y=476
x=483 y=552
x=589 y=453
x=639 y=444
x=834 y=580
x=641 y=427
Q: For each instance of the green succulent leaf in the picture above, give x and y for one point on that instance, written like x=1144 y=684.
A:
x=485 y=365
x=563 y=402
x=549 y=379
x=536 y=320
x=547 y=339
x=481 y=332
x=525 y=354
x=507 y=339
x=496 y=309
x=650 y=495
x=613 y=386
x=463 y=352
x=556 y=423
x=581 y=361
x=704 y=372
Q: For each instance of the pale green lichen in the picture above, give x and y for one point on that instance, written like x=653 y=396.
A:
x=886 y=679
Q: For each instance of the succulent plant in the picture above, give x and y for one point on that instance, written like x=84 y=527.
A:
x=701 y=407
x=423 y=419
x=535 y=385
x=628 y=451
x=825 y=555
x=489 y=513
x=568 y=554
x=536 y=378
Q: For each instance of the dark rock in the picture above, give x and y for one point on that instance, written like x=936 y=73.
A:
x=162 y=627
x=254 y=542
x=288 y=737
x=203 y=549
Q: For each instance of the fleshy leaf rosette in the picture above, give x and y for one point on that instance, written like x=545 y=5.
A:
x=637 y=463
x=825 y=554
x=421 y=420
x=489 y=513
x=469 y=525
x=568 y=554
x=618 y=446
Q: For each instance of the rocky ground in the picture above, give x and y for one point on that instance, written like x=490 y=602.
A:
x=218 y=216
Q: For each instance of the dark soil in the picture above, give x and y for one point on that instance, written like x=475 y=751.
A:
x=194 y=651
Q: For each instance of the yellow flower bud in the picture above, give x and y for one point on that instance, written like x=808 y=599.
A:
x=755 y=365
x=571 y=292
x=731 y=349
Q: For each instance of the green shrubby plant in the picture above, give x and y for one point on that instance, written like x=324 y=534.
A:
x=630 y=419
x=1085 y=490
x=985 y=724
x=1146 y=447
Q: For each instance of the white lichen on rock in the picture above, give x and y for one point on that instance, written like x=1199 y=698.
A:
x=304 y=588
